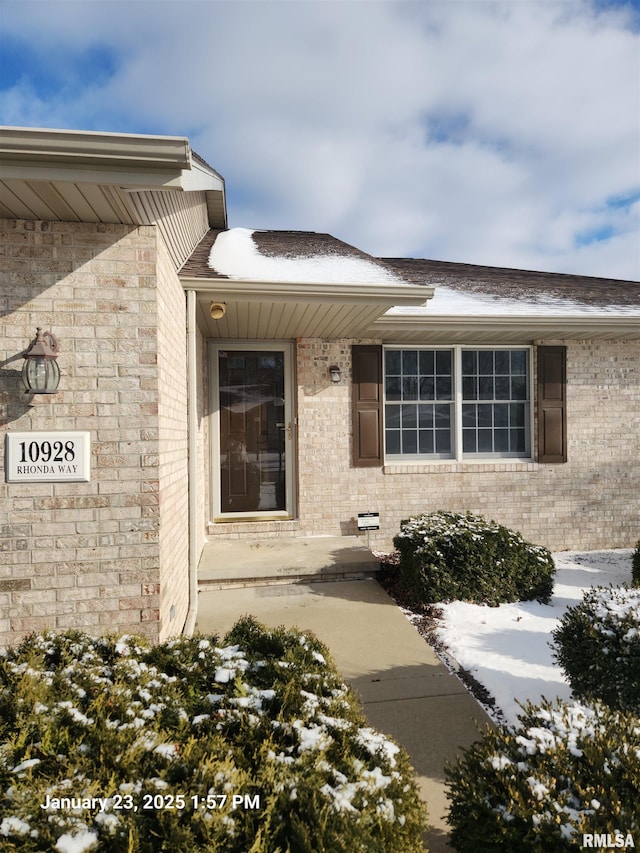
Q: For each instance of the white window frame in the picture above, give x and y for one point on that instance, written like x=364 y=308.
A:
x=457 y=454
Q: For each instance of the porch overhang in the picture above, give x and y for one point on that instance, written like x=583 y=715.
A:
x=503 y=329
x=280 y=311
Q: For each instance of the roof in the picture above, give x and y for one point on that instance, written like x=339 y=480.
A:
x=498 y=290
x=286 y=256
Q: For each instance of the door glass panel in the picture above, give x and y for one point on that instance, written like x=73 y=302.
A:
x=253 y=430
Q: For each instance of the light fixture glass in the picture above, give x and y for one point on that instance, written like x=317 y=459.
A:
x=334 y=372
x=40 y=371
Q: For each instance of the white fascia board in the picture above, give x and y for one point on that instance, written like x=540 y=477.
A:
x=90 y=147
x=130 y=161
x=538 y=323
x=345 y=292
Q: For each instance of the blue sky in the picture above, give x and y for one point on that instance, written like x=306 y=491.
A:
x=504 y=133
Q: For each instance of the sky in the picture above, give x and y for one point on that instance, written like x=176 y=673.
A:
x=503 y=133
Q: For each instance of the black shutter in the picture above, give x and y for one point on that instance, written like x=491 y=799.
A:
x=552 y=404
x=367 y=405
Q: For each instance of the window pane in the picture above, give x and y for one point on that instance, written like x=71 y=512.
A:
x=443 y=362
x=469 y=361
x=469 y=440
x=443 y=416
x=469 y=388
x=485 y=362
x=443 y=441
x=485 y=416
x=502 y=388
x=501 y=415
x=501 y=440
x=427 y=388
x=518 y=388
x=393 y=440
x=409 y=441
x=485 y=441
x=409 y=387
x=409 y=362
x=516 y=411
x=392 y=417
x=426 y=361
x=409 y=417
x=485 y=387
x=519 y=361
x=469 y=415
x=426 y=441
x=425 y=415
x=517 y=441
x=393 y=388
x=392 y=361
x=443 y=387
x=502 y=361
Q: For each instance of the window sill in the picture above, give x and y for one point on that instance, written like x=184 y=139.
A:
x=450 y=466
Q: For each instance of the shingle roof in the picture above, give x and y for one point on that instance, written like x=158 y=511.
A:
x=512 y=284
x=489 y=287
x=278 y=244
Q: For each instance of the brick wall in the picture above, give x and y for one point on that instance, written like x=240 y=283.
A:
x=592 y=501
x=172 y=449
x=83 y=554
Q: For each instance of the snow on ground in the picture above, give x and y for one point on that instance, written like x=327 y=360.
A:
x=507 y=649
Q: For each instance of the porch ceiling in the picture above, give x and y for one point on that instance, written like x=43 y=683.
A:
x=284 y=316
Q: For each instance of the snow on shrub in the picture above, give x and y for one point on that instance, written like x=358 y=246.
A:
x=564 y=770
x=597 y=644
x=445 y=556
x=251 y=744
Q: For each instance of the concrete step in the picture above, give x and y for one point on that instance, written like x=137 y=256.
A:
x=255 y=562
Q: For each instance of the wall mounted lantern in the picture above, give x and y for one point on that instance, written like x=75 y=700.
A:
x=334 y=372
x=40 y=371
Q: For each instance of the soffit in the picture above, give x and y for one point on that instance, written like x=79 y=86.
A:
x=77 y=176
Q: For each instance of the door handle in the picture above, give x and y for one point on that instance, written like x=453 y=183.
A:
x=286 y=426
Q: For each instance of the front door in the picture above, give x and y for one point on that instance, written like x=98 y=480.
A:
x=253 y=458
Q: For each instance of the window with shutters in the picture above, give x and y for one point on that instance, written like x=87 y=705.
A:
x=457 y=402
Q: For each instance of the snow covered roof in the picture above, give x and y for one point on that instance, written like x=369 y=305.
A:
x=293 y=257
x=468 y=290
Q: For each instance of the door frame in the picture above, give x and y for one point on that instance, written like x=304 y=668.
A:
x=286 y=347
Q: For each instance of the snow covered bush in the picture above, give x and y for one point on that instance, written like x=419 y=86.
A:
x=564 y=770
x=635 y=565
x=597 y=644
x=110 y=745
x=446 y=557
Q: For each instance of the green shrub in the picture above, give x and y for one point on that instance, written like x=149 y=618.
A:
x=445 y=557
x=169 y=735
x=564 y=770
x=597 y=644
x=635 y=565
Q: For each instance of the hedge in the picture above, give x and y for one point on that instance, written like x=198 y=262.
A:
x=447 y=556
x=564 y=770
x=154 y=743
x=597 y=644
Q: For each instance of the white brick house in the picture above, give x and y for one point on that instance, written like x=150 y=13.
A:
x=252 y=384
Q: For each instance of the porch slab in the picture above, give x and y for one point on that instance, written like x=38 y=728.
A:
x=256 y=562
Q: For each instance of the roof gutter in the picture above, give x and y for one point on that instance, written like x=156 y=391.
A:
x=540 y=324
x=343 y=292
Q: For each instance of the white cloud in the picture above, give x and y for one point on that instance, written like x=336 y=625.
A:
x=487 y=132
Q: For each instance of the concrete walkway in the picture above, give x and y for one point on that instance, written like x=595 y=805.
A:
x=407 y=693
